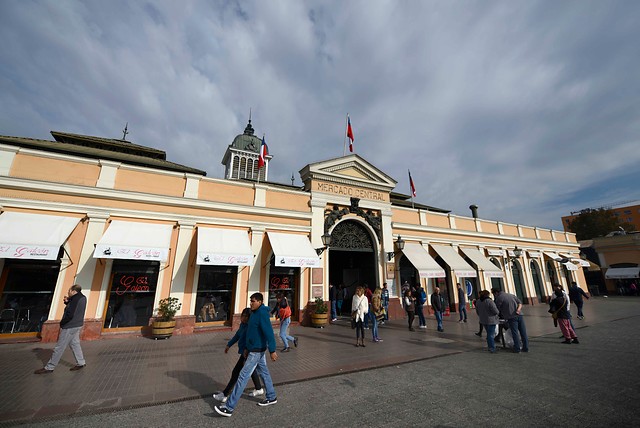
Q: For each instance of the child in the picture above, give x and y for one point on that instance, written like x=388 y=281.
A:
x=240 y=338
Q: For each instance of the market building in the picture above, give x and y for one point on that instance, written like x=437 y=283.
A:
x=131 y=228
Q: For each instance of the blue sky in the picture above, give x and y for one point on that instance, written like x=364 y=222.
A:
x=529 y=110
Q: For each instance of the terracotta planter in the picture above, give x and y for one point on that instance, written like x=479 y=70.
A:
x=162 y=329
x=319 y=320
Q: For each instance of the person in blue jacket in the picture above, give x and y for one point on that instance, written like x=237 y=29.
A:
x=259 y=338
x=240 y=338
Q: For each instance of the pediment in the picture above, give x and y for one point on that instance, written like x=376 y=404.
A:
x=349 y=170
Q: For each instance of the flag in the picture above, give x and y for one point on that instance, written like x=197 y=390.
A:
x=264 y=152
x=413 y=188
x=350 y=134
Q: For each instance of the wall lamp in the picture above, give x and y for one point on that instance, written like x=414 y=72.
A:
x=326 y=242
x=517 y=252
x=399 y=244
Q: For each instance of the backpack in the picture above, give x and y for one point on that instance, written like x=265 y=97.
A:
x=423 y=297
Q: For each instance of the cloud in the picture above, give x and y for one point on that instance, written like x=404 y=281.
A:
x=526 y=110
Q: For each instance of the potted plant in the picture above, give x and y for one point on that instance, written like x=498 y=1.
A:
x=164 y=323
x=320 y=316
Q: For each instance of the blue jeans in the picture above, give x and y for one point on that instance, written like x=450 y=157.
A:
x=386 y=311
x=366 y=317
x=579 y=306
x=462 y=308
x=339 y=307
x=284 y=326
x=333 y=310
x=518 y=331
x=374 y=325
x=255 y=361
x=491 y=334
x=438 y=315
x=420 y=314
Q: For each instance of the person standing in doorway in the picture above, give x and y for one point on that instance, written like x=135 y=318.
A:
x=462 y=303
x=259 y=338
x=576 y=294
x=437 y=304
x=510 y=308
x=410 y=307
x=70 y=327
x=339 y=299
x=333 y=299
x=359 y=311
x=385 y=302
x=421 y=299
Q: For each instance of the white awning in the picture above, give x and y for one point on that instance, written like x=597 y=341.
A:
x=553 y=256
x=135 y=241
x=33 y=236
x=293 y=250
x=483 y=263
x=615 y=273
x=422 y=261
x=455 y=261
x=570 y=266
x=582 y=263
x=223 y=247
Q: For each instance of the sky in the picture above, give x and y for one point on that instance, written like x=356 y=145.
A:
x=530 y=110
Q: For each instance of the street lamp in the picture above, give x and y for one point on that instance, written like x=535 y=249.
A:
x=517 y=252
x=326 y=242
x=399 y=246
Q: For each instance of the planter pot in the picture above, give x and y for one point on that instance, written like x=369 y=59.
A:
x=162 y=329
x=319 y=320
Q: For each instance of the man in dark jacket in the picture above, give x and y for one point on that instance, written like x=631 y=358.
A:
x=576 y=294
x=259 y=338
x=510 y=308
x=70 y=327
x=437 y=304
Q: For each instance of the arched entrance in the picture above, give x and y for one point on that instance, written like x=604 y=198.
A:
x=516 y=273
x=496 y=282
x=352 y=258
x=537 y=280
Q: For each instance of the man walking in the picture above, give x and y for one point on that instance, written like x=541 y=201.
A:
x=437 y=304
x=332 y=299
x=462 y=303
x=70 y=327
x=421 y=299
x=510 y=308
x=259 y=337
x=576 y=294
x=385 y=302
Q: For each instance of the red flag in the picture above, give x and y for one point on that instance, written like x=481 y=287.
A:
x=350 y=134
x=264 y=151
x=413 y=188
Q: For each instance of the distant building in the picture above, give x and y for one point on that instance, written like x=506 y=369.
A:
x=627 y=213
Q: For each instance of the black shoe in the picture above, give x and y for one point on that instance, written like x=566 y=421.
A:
x=575 y=340
x=295 y=342
x=43 y=371
x=223 y=411
x=567 y=341
x=478 y=334
x=267 y=402
x=75 y=368
x=285 y=350
x=561 y=337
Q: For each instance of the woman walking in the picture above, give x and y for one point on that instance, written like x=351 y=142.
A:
x=410 y=307
x=359 y=310
x=378 y=313
x=488 y=314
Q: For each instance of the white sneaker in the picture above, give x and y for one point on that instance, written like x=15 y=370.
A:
x=423 y=326
x=220 y=397
x=256 y=392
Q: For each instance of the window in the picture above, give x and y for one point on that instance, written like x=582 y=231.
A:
x=283 y=280
x=133 y=288
x=215 y=288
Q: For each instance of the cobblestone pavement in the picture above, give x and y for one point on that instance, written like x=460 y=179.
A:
x=560 y=385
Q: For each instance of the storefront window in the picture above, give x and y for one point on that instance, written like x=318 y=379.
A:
x=133 y=288
x=26 y=295
x=213 y=299
x=283 y=280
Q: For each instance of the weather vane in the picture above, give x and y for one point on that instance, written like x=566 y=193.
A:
x=125 y=132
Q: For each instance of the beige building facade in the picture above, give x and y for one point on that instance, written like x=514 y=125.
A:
x=132 y=228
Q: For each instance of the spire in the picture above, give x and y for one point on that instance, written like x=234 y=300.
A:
x=249 y=129
x=125 y=132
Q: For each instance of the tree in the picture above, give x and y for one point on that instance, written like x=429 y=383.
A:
x=592 y=223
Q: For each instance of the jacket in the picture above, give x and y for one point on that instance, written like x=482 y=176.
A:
x=507 y=305
x=240 y=337
x=559 y=307
x=260 y=332
x=360 y=305
x=74 y=311
x=437 y=302
x=462 y=296
x=576 y=293
x=487 y=311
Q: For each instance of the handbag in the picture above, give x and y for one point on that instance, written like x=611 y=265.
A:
x=353 y=319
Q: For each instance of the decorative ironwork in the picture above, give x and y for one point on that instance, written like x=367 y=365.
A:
x=351 y=236
x=331 y=216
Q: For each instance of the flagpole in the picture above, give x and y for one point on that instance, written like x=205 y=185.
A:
x=260 y=154
x=411 y=191
x=344 y=145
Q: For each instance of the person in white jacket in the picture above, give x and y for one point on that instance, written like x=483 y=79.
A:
x=359 y=310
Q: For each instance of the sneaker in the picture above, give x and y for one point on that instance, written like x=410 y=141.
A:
x=567 y=341
x=43 y=371
x=423 y=326
x=223 y=411
x=334 y=319
x=460 y=321
x=379 y=340
x=76 y=368
x=285 y=350
x=219 y=396
x=267 y=402
x=575 y=340
x=256 y=392
x=478 y=334
x=295 y=342
x=366 y=328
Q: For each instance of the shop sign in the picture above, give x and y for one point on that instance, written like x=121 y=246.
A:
x=10 y=251
x=132 y=284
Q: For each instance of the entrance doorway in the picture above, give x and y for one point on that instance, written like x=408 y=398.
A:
x=352 y=259
x=517 y=281
x=537 y=281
